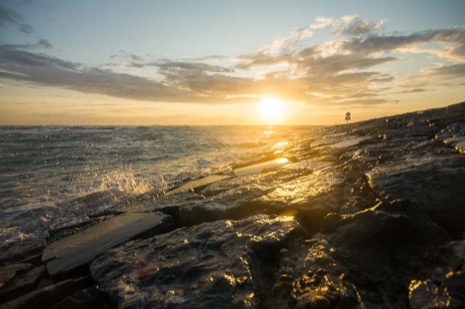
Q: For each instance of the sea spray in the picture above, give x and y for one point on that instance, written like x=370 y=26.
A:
x=124 y=180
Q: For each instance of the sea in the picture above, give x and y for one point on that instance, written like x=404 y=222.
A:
x=57 y=176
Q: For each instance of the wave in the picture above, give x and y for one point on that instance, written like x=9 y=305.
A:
x=54 y=177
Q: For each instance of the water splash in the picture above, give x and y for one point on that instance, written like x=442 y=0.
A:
x=14 y=234
x=125 y=181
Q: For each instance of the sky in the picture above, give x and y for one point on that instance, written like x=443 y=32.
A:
x=217 y=62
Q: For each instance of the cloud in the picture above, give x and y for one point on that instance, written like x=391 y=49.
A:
x=355 y=26
x=208 y=58
x=415 y=90
x=347 y=25
x=42 y=69
x=353 y=66
x=178 y=66
x=173 y=67
x=452 y=39
x=288 y=44
x=355 y=60
x=455 y=70
x=182 y=82
x=41 y=44
x=260 y=59
x=8 y=17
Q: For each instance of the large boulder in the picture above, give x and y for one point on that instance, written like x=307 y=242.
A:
x=228 y=264
x=382 y=248
x=433 y=183
x=446 y=293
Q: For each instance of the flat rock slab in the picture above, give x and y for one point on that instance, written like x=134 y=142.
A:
x=238 y=172
x=259 y=167
x=81 y=248
x=201 y=182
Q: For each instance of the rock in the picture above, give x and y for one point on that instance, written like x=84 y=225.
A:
x=367 y=241
x=217 y=264
x=69 y=229
x=308 y=197
x=203 y=182
x=448 y=293
x=87 y=298
x=457 y=142
x=380 y=203
x=330 y=222
x=48 y=296
x=426 y=233
x=384 y=246
x=260 y=167
x=22 y=284
x=369 y=227
x=198 y=183
x=321 y=290
x=311 y=278
x=202 y=212
x=455 y=251
x=7 y=273
x=451 y=131
x=22 y=251
x=79 y=249
x=426 y=294
x=322 y=186
x=433 y=183
x=237 y=202
x=454 y=284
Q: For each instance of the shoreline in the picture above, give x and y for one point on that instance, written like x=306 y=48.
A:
x=368 y=214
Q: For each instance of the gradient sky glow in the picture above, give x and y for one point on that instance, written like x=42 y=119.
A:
x=211 y=62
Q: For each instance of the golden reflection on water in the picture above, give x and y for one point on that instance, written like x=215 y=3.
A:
x=281 y=144
x=286 y=218
x=259 y=167
x=268 y=132
x=288 y=214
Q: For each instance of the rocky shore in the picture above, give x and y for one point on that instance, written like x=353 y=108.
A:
x=365 y=215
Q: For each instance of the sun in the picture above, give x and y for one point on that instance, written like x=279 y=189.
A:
x=271 y=110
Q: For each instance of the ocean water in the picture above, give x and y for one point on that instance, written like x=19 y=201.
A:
x=55 y=176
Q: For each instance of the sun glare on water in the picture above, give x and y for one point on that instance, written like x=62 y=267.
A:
x=271 y=110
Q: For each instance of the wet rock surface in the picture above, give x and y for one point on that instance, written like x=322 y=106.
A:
x=366 y=215
x=47 y=297
x=75 y=251
x=217 y=264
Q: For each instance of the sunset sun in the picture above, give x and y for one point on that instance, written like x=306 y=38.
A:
x=271 y=110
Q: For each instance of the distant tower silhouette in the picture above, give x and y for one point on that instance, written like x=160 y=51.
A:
x=348 y=117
